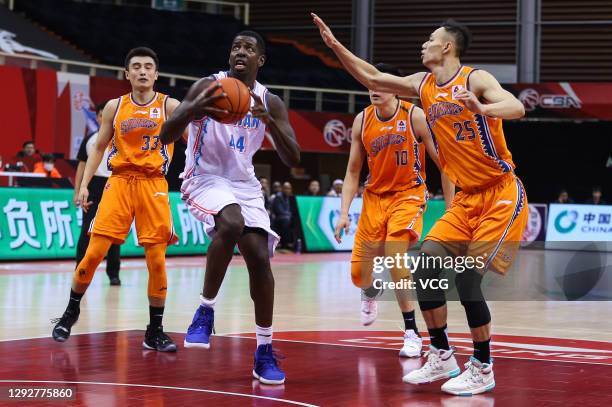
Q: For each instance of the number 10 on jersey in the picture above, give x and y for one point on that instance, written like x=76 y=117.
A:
x=237 y=144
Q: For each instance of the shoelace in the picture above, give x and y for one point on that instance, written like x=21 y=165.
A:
x=200 y=322
x=367 y=306
x=272 y=359
x=474 y=372
x=433 y=361
x=62 y=320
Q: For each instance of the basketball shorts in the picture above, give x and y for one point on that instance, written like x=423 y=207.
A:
x=207 y=195
x=135 y=197
x=486 y=224
x=387 y=218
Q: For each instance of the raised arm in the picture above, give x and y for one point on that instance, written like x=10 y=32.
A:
x=197 y=103
x=419 y=124
x=365 y=73
x=487 y=97
x=351 y=179
x=105 y=133
x=276 y=119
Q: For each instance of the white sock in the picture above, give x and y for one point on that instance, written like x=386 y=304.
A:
x=208 y=303
x=264 y=335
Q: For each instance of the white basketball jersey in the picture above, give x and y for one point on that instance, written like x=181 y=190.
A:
x=225 y=150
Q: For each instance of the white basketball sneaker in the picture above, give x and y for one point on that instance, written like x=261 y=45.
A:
x=476 y=378
x=413 y=344
x=441 y=364
x=369 y=311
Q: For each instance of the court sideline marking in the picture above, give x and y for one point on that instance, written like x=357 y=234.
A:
x=297 y=403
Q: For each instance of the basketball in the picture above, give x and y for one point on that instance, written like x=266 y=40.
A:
x=237 y=102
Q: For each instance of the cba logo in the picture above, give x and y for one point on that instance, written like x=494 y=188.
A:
x=335 y=132
x=531 y=99
x=566 y=221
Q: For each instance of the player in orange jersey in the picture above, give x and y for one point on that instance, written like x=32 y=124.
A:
x=136 y=190
x=464 y=109
x=393 y=135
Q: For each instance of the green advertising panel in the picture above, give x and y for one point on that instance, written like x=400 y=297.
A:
x=44 y=224
x=319 y=215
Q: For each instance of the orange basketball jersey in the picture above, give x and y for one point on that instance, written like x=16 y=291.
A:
x=395 y=158
x=472 y=147
x=135 y=145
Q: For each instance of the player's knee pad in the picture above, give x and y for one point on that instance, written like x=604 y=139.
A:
x=477 y=313
x=470 y=293
x=156 y=264
x=468 y=285
x=361 y=274
x=96 y=250
x=426 y=279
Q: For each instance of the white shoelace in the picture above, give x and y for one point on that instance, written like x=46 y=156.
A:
x=473 y=373
x=366 y=306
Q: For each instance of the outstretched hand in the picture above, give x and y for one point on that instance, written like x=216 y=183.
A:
x=324 y=30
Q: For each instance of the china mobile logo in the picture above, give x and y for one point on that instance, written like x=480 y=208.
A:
x=532 y=99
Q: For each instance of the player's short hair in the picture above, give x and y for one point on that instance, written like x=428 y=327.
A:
x=388 y=68
x=48 y=158
x=261 y=43
x=100 y=106
x=460 y=33
x=597 y=188
x=27 y=142
x=141 y=52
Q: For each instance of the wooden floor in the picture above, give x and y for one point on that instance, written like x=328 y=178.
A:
x=545 y=353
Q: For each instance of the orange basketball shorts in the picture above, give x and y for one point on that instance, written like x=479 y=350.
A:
x=485 y=224
x=129 y=197
x=387 y=218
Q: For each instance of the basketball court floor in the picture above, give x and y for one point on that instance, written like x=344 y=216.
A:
x=546 y=353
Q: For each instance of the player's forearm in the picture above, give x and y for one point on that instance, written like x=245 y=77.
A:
x=349 y=190
x=285 y=144
x=93 y=162
x=78 y=178
x=507 y=109
x=174 y=127
x=362 y=71
x=448 y=189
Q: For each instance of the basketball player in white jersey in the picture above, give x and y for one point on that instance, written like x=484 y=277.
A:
x=221 y=190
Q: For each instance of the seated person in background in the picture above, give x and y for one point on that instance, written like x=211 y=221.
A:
x=26 y=159
x=314 y=188
x=336 y=189
x=47 y=166
x=283 y=216
x=564 y=197
x=596 y=198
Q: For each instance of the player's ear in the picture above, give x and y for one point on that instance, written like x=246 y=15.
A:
x=127 y=74
x=448 y=47
x=261 y=60
x=156 y=74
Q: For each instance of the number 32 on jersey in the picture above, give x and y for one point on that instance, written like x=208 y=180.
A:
x=237 y=144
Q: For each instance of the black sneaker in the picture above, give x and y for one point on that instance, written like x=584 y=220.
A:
x=63 y=325
x=115 y=281
x=156 y=339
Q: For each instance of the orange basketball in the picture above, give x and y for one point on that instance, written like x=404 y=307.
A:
x=237 y=102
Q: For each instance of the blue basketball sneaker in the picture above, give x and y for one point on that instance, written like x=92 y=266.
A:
x=266 y=368
x=198 y=333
